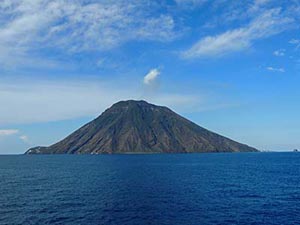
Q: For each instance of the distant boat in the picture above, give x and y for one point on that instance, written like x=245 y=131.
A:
x=296 y=150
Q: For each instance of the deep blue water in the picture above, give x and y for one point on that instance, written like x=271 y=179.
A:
x=247 y=188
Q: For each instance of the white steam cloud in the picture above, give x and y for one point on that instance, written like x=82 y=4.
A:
x=151 y=76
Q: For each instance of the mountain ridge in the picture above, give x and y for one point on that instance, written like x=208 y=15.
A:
x=140 y=127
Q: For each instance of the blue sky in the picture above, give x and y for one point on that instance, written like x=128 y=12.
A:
x=230 y=66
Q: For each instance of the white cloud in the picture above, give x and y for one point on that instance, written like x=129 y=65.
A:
x=269 y=23
x=76 y=26
x=25 y=139
x=273 y=69
x=261 y=2
x=190 y=2
x=11 y=143
x=8 y=132
x=256 y=7
x=279 y=52
x=151 y=76
x=295 y=42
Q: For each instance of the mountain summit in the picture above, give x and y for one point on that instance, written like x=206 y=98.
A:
x=137 y=126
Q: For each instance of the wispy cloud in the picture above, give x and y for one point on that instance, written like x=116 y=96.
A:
x=12 y=141
x=76 y=26
x=4 y=133
x=295 y=42
x=273 y=69
x=268 y=23
x=151 y=76
x=8 y=132
x=190 y=3
x=279 y=52
x=258 y=4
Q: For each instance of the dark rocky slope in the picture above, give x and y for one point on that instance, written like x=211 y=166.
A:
x=137 y=126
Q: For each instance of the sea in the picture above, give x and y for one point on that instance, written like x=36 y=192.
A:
x=232 y=188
